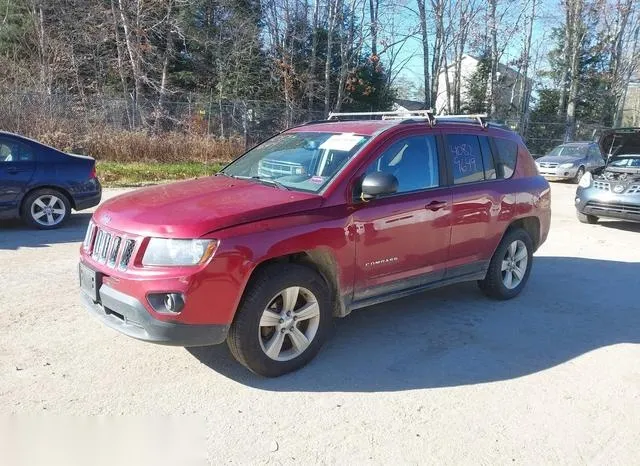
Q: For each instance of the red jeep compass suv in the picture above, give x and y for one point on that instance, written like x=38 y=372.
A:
x=315 y=222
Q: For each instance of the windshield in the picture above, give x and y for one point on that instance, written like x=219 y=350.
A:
x=569 y=151
x=626 y=162
x=301 y=161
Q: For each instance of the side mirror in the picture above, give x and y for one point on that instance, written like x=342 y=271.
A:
x=378 y=184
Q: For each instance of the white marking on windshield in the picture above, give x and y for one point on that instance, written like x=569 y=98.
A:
x=342 y=142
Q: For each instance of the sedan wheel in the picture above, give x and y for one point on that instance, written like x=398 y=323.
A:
x=45 y=209
x=514 y=264
x=48 y=210
x=289 y=323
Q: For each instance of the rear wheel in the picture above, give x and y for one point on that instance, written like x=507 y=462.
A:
x=579 y=174
x=46 y=209
x=283 y=320
x=585 y=218
x=509 y=267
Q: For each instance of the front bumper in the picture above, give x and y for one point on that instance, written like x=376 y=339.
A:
x=600 y=203
x=557 y=173
x=127 y=315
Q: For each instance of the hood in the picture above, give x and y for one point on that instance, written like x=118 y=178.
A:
x=190 y=209
x=620 y=141
x=558 y=159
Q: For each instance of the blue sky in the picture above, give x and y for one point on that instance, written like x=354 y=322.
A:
x=549 y=17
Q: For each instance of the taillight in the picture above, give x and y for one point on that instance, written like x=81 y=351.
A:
x=93 y=174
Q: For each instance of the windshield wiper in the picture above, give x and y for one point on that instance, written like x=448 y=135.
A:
x=260 y=179
x=270 y=182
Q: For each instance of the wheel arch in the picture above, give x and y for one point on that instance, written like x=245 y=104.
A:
x=319 y=260
x=529 y=224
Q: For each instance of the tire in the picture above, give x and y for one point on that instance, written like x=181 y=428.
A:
x=45 y=209
x=579 y=175
x=265 y=302
x=585 y=218
x=496 y=285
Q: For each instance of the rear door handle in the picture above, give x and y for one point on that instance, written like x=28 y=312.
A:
x=436 y=205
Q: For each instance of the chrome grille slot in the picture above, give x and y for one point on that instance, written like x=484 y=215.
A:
x=114 y=251
x=127 y=253
x=105 y=247
x=88 y=237
x=98 y=244
x=634 y=189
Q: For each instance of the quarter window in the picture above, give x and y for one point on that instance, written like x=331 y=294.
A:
x=507 y=154
x=413 y=161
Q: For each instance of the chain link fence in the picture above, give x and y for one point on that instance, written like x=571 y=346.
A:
x=35 y=114
x=542 y=136
x=68 y=120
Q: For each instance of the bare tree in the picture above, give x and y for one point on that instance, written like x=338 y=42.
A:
x=577 y=35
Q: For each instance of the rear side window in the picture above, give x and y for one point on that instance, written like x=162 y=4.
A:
x=465 y=158
x=506 y=156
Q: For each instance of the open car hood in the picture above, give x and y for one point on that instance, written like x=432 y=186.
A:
x=620 y=141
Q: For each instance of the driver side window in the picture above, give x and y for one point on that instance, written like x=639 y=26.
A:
x=413 y=161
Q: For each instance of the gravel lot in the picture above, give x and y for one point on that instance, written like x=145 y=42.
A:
x=444 y=377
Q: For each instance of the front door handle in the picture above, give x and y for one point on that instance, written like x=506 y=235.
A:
x=12 y=170
x=436 y=205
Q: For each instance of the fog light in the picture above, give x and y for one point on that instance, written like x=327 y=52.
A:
x=577 y=200
x=167 y=303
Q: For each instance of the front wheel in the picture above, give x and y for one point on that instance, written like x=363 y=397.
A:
x=283 y=320
x=510 y=266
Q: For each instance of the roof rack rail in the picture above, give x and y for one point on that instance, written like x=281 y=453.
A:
x=479 y=117
x=398 y=114
x=408 y=115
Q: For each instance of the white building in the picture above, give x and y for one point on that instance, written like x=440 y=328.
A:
x=508 y=86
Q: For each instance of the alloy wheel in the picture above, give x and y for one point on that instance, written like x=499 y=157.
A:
x=514 y=264
x=289 y=323
x=48 y=210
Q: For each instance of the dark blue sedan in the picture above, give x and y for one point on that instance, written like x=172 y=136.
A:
x=41 y=184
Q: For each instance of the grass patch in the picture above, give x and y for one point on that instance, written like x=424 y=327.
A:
x=114 y=174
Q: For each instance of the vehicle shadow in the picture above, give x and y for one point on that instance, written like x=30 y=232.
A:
x=15 y=234
x=620 y=225
x=455 y=336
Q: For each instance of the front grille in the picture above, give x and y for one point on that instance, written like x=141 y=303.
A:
x=617 y=207
x=602 y=185
x=109 y=248
x=275 y=168
x=548 y=164
x=634 y=189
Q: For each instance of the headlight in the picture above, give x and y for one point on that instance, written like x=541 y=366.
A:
x=162 y=251
x=567 y=165
x=585 y=181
